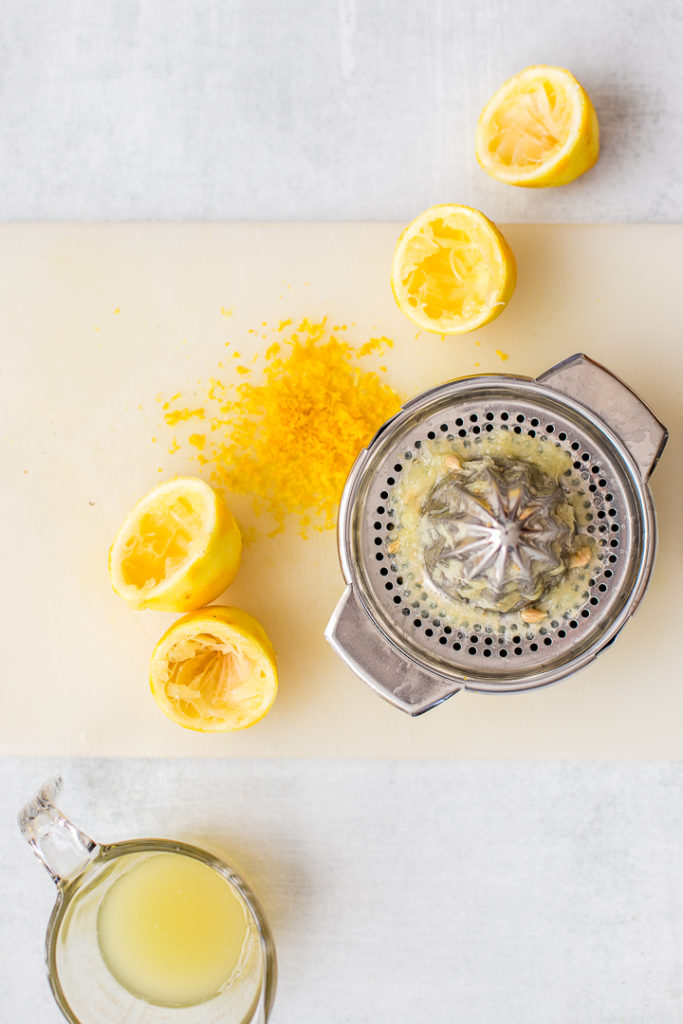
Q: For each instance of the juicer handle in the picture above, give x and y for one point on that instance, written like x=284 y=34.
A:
x=591 y=385
x=358 y=642
x=62 y=848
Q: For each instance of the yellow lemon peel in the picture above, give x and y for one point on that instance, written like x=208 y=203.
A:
x=178 y=549
x=539 y=129
x=452 y=270
x=214 y=670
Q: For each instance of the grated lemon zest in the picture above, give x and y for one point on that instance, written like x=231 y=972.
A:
x=288 y=439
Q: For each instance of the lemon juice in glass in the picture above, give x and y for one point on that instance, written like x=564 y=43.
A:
x=149 y=929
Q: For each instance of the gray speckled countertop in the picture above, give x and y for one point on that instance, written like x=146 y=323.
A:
x=325 y=110
x=398 y=891
x=404 y=891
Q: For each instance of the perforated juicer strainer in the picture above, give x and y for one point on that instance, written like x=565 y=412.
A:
x=492 y=518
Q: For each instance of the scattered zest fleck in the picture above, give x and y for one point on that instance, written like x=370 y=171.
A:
x=179 y=415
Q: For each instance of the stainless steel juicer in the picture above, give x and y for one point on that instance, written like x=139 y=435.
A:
x=393 y=635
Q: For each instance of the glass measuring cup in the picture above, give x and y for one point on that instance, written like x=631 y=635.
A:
x=85 y=872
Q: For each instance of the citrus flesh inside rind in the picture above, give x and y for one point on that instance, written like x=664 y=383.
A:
x=453 y=270
x=178 y=549
x=214 y=671
x=538 y=130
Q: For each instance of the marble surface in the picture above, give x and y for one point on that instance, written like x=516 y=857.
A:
x=403 y=891
x=399 y=891
x=326 y=110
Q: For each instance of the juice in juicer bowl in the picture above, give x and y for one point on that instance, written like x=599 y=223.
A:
x=84 y=986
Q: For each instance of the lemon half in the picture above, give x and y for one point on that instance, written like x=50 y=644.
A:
x=539 y=129
x=178 y=549
x=452 y=271
x=214 y=670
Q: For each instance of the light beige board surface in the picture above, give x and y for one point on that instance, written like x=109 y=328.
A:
x=99 y=320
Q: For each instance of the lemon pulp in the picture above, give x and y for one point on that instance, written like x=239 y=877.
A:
x=528 y=134
x=538 y=130
x=178 y=549
x=209 y=677
x=172 y=930
x=163 y=541
x=214 y=670
x=452 y=271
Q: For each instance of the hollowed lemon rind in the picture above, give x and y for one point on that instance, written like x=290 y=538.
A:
x=242 y=682
x=504 y=269
x=213 y=556
x=580 y=150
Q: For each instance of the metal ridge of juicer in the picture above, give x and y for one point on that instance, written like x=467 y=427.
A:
x=394 y=638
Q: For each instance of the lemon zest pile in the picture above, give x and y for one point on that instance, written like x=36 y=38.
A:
x=289 y=440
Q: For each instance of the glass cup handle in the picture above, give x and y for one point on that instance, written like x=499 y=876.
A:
x=63 y=849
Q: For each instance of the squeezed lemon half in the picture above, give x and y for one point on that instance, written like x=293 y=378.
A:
x=452 y=271
x=539 y=129
x=178 y=549
x=214 y=670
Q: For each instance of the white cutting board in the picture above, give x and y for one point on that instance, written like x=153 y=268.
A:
x=78 y=403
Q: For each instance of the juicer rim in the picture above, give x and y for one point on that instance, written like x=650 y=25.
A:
x=422 y=402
